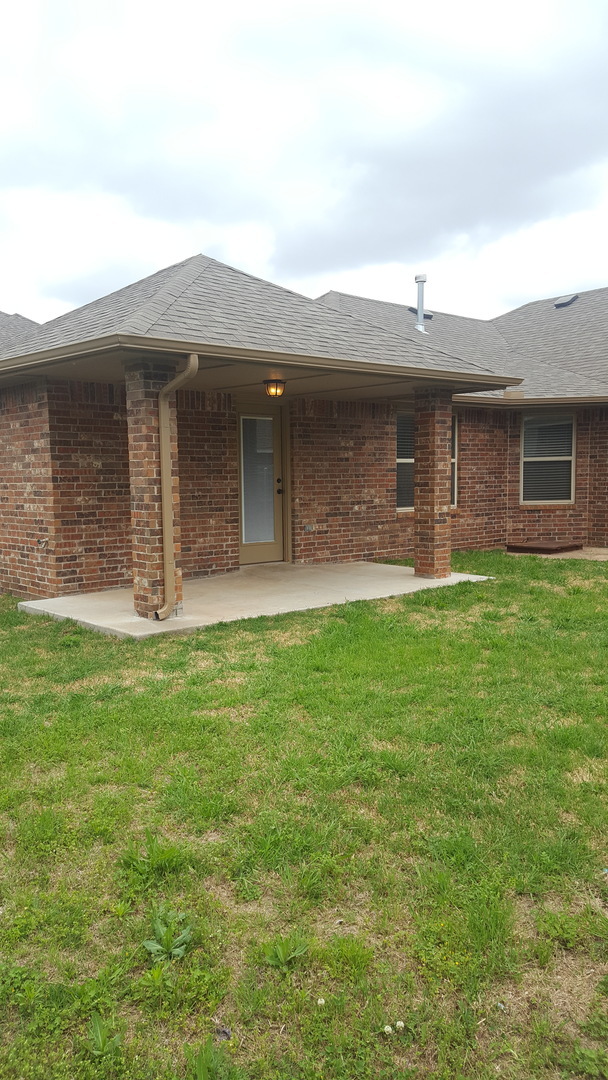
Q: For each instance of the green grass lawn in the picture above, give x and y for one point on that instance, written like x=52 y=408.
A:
x=319 y=824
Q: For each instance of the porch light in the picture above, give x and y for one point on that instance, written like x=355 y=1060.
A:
x=274 y=387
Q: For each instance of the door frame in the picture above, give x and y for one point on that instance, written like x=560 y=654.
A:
x=280 y=413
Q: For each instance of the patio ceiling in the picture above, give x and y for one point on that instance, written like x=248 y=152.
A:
x=244 y=375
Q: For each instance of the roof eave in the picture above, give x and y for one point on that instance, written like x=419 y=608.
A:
x=47 y=357
x=523 y=402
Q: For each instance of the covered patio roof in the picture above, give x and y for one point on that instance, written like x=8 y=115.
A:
x=244 y=330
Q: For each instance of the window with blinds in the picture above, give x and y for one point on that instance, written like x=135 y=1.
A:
x=405 y=461
x=547 y=465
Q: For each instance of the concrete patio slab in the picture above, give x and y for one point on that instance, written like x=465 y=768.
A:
x=265 y=589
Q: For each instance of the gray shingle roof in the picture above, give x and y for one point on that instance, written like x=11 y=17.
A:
x=558 y=352
x=203 y=301
x=472 y=339
x=14 y=328
x=573 y=338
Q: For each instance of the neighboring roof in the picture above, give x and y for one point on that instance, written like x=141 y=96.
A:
x=472 y=339
x=14 y=328
x=573 y=336
x=203 y=301
x=558 y=351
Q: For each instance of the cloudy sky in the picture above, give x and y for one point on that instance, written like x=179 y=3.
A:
x=342 y=144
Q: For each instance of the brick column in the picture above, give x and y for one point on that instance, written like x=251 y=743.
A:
x=432 y=476
x=144 y=379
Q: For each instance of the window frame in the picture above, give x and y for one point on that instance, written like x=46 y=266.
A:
x=453 y=462
x=562 y=457
x=404 y=461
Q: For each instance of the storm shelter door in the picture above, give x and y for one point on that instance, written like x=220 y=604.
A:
x=261 y=489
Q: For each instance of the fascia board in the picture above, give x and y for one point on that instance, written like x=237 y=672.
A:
x=83 y=349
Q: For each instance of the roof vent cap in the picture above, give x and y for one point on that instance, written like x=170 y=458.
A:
x=565 y=301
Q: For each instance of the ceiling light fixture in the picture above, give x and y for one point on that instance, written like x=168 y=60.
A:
x=274 y=387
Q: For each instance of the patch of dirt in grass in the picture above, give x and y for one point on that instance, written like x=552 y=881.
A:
x=524 y=916
x=588 y=774
x=296 y=635
x=457 y=620
x=299 y=715
x=513 y=780
x=131 y=1016
x=23 y=687
x=355 y=916
x=565 y=989
x=568 y=818
x=380 y=744
x=549 y=719
x=589 y=584
x=549 y=586
x=225 y=892
x=202 y=661
x=582 y=900
x=389 y=605
x=38 y=775
x=423 y=620
x=236 y=678
x=244 y=643
x=238 y=714
x=86 y=872
x=212 y=837
x=520 y=740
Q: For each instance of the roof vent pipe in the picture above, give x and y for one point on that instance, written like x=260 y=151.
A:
x=420 y=280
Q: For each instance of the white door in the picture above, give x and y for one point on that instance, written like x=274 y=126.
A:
x=262 y=486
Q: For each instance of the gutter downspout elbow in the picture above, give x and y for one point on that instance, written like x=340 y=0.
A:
x=166 y=486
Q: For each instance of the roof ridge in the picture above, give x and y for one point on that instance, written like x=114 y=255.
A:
x=154 y=307
x=408 y=307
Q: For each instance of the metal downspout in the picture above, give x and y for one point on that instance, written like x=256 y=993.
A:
x=166 y=486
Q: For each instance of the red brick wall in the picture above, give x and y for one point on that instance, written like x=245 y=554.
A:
x=480 y=517
x=27 y=519
x=598 y=478
x=144 y=380
x=432 y=472
x=65 y=522
x=335 y=516
x=547 y=522
x=209 y=482
x=90 y=472
x=343 y=480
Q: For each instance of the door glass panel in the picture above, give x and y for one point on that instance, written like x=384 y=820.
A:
x=257 y=478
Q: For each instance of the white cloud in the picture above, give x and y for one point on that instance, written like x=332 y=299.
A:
x=322 y=143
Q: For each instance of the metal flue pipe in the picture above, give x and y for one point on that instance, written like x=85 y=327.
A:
x=420 y=280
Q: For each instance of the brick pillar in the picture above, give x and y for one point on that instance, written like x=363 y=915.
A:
x=432 y=477
x=144 y=379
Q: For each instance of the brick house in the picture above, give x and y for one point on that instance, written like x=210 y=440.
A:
x=385 y=442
